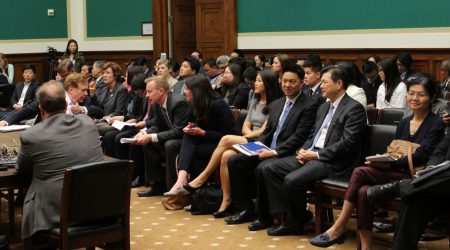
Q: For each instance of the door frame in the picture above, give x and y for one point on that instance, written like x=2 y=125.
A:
x=161 y=26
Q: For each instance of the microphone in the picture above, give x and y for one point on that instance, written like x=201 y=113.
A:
x=14 y=111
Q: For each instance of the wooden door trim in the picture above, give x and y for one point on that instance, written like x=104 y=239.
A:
x=160 y=27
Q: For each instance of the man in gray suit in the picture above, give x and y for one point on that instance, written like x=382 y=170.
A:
x=47 y=149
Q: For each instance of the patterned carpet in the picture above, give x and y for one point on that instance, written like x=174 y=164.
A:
x=153 y=227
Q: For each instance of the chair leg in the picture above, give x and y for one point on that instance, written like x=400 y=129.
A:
x=11 y=211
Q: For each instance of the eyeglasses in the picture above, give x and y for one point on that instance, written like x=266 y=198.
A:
x=417 y=95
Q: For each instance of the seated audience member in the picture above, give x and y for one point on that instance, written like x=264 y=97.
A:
x=114 y=97
x=198 y=55
x=312 y=67
x=213 y=120
x=279 y=61
x=420 y=202
x=233 y=90
x=96 y=84
x=422 y=127
x=288 y=125
x=26 y=90
x=445 y=84
x=212 y=72
x=249 y=76
x=168 y=116
x=164 y=69
x=301 y=60
x=392 y=92
x=65 y=68
x=237 y=53
x=189 y=67
x=355 y=80
x=372 y=83
x=86 y=70
x=222 y=62
x=260 y=60
x=175 y=70
x=73 y=55
x=6 y=69
x=136 y=111
x=404 y=61
x=141 y=61
x=266 y=91
x=39 y=146
x=374 y=58
x=331 y=150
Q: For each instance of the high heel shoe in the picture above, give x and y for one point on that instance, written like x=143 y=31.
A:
x=190 y=188
x=224 y=213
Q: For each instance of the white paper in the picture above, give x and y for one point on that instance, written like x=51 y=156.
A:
x=127 y=140
x=119 y=124
x=380 y=158
x=14 y=128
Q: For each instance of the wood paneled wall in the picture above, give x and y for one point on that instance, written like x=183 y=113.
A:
x=425 y=60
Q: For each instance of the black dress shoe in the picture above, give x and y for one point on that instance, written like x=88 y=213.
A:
x=242 y=217
x=323 y=240
x=382 y=193
x=137 y=182
x=152 y=192
x=259 y=225
x=224 y=213
x=190 y=188
x=285 y=230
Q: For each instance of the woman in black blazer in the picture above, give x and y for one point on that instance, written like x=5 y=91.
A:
x=234 y=90
x=213 y=120
x=114 y=97
x=422 y=127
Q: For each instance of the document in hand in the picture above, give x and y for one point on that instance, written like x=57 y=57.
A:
x=127 y=140
x=380 y=158
x=251 y=148
x=14 y=128
x=119 y=124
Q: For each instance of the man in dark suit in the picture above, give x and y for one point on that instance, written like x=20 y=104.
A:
x=288 y=126
x=39 y=146
x=189 y=67
x=170 y=113
x=331 y=150
x=96 y=85
x=26 y=90
x=420 y=202
x=312 y=67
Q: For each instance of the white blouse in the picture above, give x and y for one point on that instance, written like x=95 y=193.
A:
x=398 y=99
x=358 y=94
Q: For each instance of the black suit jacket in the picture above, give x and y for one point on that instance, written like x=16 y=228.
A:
x=138 y=108
x=179 y=113
x=238 y=97
x=99 y=86
x=316 y=96
x=31 y=92
x=296 y=127
x=114 y=103
x=343 y=140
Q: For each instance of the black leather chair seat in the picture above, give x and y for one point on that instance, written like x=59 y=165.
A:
x=340 y=182
x=89 y=228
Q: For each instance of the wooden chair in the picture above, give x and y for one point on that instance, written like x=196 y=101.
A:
x=95 y=207
x=390 y=116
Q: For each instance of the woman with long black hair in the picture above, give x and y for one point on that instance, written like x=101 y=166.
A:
x=392 y=92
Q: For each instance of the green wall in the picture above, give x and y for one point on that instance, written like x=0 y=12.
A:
x=110 y=18
x=316 y=15
x=27 y=19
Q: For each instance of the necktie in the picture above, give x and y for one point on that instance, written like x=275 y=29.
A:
x=285 y=113
x=310 y=92
x=147 y=111
x=166 y=115
x=324 y=123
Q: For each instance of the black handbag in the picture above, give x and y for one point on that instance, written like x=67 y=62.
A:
x=206 y=200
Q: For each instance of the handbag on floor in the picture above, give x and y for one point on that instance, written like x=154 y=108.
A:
x=176 y=202
x=206 y=200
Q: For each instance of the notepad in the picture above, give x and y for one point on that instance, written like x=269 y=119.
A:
x=14 y=128
x=119 y=124
x=251 y=148
x=127 y=140
x=381 y=158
